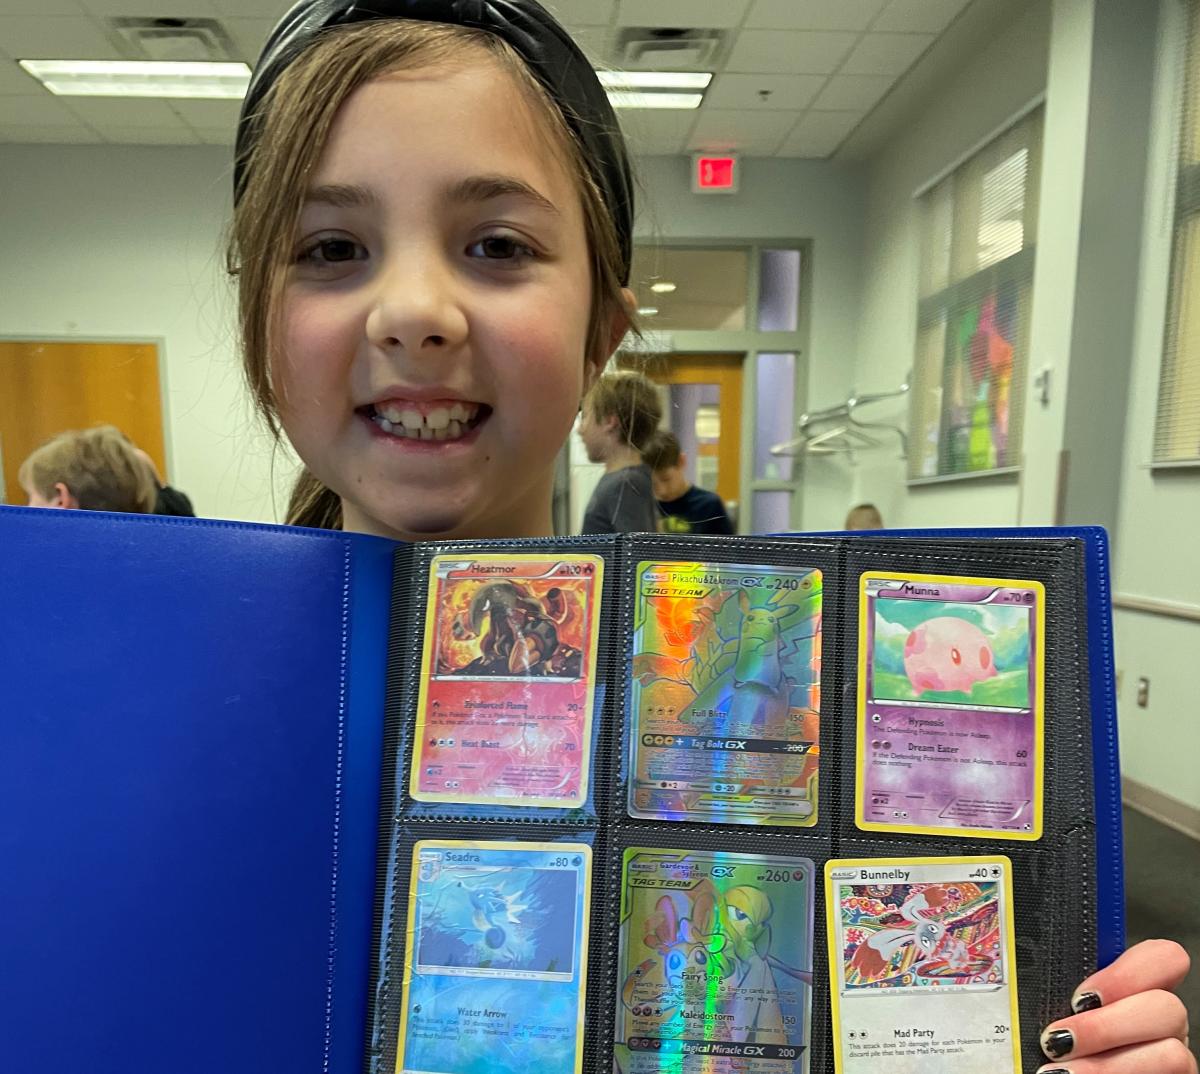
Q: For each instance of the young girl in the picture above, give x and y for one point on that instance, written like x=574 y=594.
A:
x=432 y=240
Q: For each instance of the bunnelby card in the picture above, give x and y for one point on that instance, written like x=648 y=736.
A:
x=715 y=963
x=950 y=705
x=923 y=966
x=496 y=958
x=507 y=682
x=724 y=721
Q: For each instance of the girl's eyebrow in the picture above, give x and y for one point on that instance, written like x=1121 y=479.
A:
x=477 y=188
x=341 y=196
x=471 y=190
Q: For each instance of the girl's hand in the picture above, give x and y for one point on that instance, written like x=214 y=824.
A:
x=1129 y=1020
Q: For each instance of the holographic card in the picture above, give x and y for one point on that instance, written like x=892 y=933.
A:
x=950 y=706
x=508 y=676
x=715 y=963
x=496 y=959
x=923 y=966
x=724 y=712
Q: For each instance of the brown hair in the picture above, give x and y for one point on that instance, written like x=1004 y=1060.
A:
x=865 y=516
x=662 y=450
x=298 y=113
x=632 y=399
x=100 y=468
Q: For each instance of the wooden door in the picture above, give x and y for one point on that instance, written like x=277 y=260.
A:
x=710 y=431
x=48 y=387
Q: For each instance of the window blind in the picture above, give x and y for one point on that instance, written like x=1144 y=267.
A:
x=1177 y=428
x=978 y=228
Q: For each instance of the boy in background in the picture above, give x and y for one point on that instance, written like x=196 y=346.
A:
x=620 y=414
x=687 y=509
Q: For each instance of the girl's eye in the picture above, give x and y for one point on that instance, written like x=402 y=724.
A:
x=501 y=248
x=332 y=251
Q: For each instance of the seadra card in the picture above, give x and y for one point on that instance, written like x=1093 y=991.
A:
x=922 y=966
x=950 y=706
x=508 y=677
x=496 y=958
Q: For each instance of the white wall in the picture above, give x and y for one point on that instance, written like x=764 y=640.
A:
x=997 y=83
x=124 y=243
x=1156 y=539
x=782 y=199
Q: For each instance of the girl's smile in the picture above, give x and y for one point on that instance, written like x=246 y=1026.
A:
x=436 y=313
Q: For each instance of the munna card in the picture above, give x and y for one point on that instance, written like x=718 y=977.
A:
x=496 y=958
x=509 y=666
x=724 y=721
x=715 y=964
x=922 y=966
x=950 y=709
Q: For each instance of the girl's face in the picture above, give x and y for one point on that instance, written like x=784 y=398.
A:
x=435 y=317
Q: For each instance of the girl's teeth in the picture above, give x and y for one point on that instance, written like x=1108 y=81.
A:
x=438 y=419
x=411 y=418
x=386 y=425
x=454 y=429
x=458 y=412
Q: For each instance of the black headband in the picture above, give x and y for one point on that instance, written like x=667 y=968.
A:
x=553 y=58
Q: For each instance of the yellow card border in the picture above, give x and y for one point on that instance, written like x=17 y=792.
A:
x=585 y=776
x=1039 y=712
x=835 y=954
x=504 y=844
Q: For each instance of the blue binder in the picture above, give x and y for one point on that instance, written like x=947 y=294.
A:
x=189 y=784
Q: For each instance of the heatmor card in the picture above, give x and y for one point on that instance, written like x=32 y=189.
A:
x=507 y=683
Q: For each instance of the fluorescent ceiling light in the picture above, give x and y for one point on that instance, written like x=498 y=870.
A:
x=634 y=80
x=140 y=78
x=663 y=287
x=647 y=311
x=624 y=99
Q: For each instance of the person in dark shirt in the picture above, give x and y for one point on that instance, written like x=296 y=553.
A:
x=685 y=508
x=620 y=413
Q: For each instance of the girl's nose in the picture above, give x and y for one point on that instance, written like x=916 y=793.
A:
x=417 y=308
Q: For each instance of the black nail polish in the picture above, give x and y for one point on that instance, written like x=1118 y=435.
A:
x=1059 y=1043
x=1086 y=1001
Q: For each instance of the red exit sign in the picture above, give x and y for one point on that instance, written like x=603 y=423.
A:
x=714 y=175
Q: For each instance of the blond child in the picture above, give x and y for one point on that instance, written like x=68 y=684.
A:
x=91 y=470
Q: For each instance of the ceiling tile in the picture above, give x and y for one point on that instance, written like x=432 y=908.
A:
x=886 y=54
x=747 y=132
x=572 y=13
x=789 y=52
x=813 y=14
x=42 y=7
x=216 y=136
x=179 y=135
x=161 y=9
x=15 y=79
x=45 y=110
x=919 y=16
x=263 y=9
x=46 y=38
x=595 y=42
x=656 y=133
x=818 y=134
x=211 y=115
x=858 y=93
x=249 y=36
x=78 y=135
x=123 y=111
x=686 y=14
x=744 y=91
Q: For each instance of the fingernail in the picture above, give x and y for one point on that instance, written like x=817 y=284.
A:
x=1086 y=1001
x=1054 y=1070
x=1059 y=1043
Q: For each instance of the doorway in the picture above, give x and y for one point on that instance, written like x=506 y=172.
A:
x=702 y=406
x=47 y=387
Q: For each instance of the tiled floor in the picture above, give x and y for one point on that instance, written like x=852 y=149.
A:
x=1162 y=895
